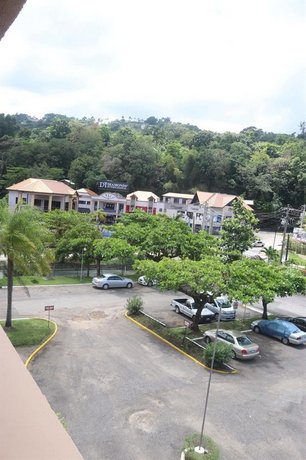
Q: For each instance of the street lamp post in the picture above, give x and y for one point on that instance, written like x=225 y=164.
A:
x=82 y=260
x=200 y=448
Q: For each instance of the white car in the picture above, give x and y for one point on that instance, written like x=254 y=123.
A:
x=258 y=244
x=228 y=310
x=144 y=281
x=110 y=280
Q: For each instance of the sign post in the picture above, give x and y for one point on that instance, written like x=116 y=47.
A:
x=48 y=308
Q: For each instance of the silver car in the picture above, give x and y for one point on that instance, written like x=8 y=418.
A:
x=242 y=346
x=109 y=280
x=144 y=281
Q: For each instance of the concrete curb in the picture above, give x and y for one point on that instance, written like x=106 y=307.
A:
x=35 y=352
x=178 y=349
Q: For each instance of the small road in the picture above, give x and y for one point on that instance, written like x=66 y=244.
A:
x=125 y=394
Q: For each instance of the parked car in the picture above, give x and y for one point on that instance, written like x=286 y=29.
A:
x=228 y=310
x=242 y=346
x=144 y=281
x=109 y=280
x=299 y=321
x=258 y=244
x=282 y=330
x=187 y=307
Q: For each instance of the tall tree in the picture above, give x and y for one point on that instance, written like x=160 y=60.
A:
x=23 y=238
x=195 y=278
x=237 y=234
x=252 y=280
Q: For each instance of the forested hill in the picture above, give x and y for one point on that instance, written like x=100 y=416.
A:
x=157 y=155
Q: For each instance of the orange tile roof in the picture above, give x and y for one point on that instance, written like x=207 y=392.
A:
x=47 y=186
x=216 y=200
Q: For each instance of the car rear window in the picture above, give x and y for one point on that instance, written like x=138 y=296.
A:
x=244 y=340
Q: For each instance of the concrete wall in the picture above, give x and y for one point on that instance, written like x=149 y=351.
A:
x=30 y=430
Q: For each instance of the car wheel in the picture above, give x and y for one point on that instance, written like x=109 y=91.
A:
x=207 y=339
x=129 y=285
x=105 y=286
x=285 y=341
x=177 y=310
x=233 y=354
x=256 y=329
x=150 y=283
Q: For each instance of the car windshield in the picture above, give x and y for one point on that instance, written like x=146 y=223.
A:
x=223 y=303
x=243 y=340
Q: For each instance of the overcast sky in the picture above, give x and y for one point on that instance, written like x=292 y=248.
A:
x=222 y=65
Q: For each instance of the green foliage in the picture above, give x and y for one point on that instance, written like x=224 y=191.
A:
x=251 y=280
x=223 y=354
x=155 y=154
x=154 y=237
x=193 y=440
x=108 y=249
x=134 y=305
x=237 y=234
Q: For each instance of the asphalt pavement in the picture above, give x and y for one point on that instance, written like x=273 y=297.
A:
x=125 y=394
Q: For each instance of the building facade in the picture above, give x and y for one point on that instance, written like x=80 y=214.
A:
x=45 y=194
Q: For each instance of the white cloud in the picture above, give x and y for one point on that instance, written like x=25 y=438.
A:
x=229 y=62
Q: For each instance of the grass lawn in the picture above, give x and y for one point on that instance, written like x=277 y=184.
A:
x=44 y=281
x=28 y=332
x=297 y=259
x=192 y=441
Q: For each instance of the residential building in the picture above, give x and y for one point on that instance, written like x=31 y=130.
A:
x=85 y=201
x=173 y=204
x=145 y=201
x=208 y=210
x=45 y=194
x=112 y=204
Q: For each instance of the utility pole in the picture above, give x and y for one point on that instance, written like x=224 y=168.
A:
x=285 y=220
x=303 y=215
x=204 y=215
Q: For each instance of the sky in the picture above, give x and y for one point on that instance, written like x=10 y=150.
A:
x=221 y=65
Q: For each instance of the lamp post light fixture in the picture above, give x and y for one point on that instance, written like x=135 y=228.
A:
x=200 y=448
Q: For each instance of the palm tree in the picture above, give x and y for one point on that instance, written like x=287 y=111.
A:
x=271 y=253
x=23 y=238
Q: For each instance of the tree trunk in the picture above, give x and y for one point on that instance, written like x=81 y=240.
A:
x=264 y=309
x=196 y=319
x=199 y=304
x=98 y=260
x=10 y=270
x=88 y=268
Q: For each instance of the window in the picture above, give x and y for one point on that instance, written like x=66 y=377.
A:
x=176 y=200
x=82 y=202
x=37 y=202
x=109 y=206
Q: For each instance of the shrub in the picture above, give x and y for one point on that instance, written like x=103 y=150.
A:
x=134 y=305
x=222 y=356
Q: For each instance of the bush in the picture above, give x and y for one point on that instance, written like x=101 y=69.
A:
x=222 y=356
x=134 y=305
x=193 y=440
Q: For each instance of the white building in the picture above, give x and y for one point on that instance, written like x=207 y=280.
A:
x=112 y=204
x=85 y=199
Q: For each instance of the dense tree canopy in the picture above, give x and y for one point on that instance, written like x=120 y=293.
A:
x=157 y=155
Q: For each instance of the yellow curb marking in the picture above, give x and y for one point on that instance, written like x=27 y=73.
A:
x=176 y=348
x=35 y=352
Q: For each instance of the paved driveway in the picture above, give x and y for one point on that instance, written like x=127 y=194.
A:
x=126 y=395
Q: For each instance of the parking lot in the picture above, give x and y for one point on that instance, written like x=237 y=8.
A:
x=125 y=394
